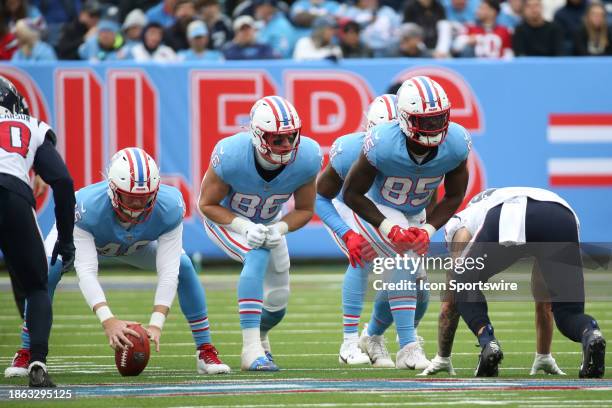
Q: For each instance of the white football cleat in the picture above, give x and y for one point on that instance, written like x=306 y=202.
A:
x=19 y=365
x=411 y=356
x=546 y=363
x=208 y=362
x=350 y=353
x=438 y=365
x=375 y=348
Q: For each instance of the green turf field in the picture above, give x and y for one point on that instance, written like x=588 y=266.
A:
x=305 y=346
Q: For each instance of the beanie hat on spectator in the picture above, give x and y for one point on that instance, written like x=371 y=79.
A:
x=108 y=25
x=411 y=30
x=135 y=18
x=494 y=4
x=242 y=21
x=196 y=28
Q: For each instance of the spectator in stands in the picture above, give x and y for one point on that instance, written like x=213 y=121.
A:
x=219 y=25
x=379 y=24
x=461 y=11
x=304 y=12
x=31 y=48
x=19 y=9
x=429 y=14
x=197 y=33
x=152 y=47
x=320 y=44
x=510 y=14
x=244 y=45
x=105 y=45
x=594 y=38
x=8 y=42
x=411 y=43
x=126 y=6
x=163 y=13
x=132 y=27
x=350 y=42
x=569 y=18
x=57 y=13
x=81 y=29
x=275 y=30
x=536 y=36
x=175 y=36
x=486 y=39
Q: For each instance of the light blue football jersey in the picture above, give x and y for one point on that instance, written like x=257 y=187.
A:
x=95 y=214
x=345 y=151
x=401 y=183
x=233 y=160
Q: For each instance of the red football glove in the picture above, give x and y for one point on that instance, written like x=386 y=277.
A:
x=420 y=244
x=359 y=249
x=402 y=238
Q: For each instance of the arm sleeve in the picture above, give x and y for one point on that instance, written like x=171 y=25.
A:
x=168 y=261
x=86 y=265
x=329 y=215
x=50 y=166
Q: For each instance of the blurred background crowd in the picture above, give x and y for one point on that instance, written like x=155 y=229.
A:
x=213 y=30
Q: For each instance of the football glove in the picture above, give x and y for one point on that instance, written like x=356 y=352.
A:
x=255 y=235
x=358 y=248
x=66 y=250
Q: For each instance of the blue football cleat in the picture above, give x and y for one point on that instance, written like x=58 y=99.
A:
x=263 y=364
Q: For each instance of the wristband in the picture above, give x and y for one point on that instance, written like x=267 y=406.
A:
x=104 y=313
x=239 y=225
x=430 y=229
x=157 y=319
x=282 y=227
x=385 y=227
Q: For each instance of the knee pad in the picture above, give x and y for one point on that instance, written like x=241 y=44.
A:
x=276 y=299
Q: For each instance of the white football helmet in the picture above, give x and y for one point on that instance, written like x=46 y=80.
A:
x=423 y=110
x=133 y=183
x=272 y=116
x=383 y=109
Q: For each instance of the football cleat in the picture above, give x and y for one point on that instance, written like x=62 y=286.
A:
x=19 y=365
x=350 y=353
x=411 y=356
x=593 y=355
x=254 y=358
x=437 y=365
x=39 y=377
x=490 y=357
x=208 y=362
x=375 y=348
x=546 y=363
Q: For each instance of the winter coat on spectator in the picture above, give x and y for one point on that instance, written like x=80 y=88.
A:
x=91 y=50
x=162 y=53
x=279 y=34
x=8 y=43
x=233 y=51
x=569 y=20
x=40 y=52
x=72 y=37
x=175 y=36
x=159 y=14
x=584 y=47
x=426 y=17
x=544 y=40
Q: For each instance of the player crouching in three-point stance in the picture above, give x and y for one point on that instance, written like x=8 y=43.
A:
x=340 y=223
x=251 y=175
x=517 y=222
x=26 y=142
x=389 y=187
x=133 y=219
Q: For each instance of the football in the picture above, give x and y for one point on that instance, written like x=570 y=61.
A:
x=133 y=360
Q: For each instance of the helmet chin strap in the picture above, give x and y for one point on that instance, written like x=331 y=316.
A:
x=264 y=163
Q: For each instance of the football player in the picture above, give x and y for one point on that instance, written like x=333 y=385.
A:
x=251 y=175
x=511 y=223
x=389 y=187
x=133 y=219
x=25 y=143
x=339 y=221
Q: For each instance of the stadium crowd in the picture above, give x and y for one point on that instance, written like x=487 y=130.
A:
x=187 y=30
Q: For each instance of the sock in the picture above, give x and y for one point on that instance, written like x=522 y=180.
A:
x=192 y=299
x=55 y=274
x=250 y=337
x=269 y=320
x=250 y=288
x=353 y=292
x=486 y=336
x=39 y=317
x=381 y=316
x=421 y=306
x=403 y=308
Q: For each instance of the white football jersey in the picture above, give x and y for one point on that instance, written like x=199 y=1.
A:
x=473 y=216
x=20 y=137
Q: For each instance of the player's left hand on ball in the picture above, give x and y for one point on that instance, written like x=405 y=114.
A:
x=154 y=334
x=66 y=250
x=420 y=244
x=273 y=237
